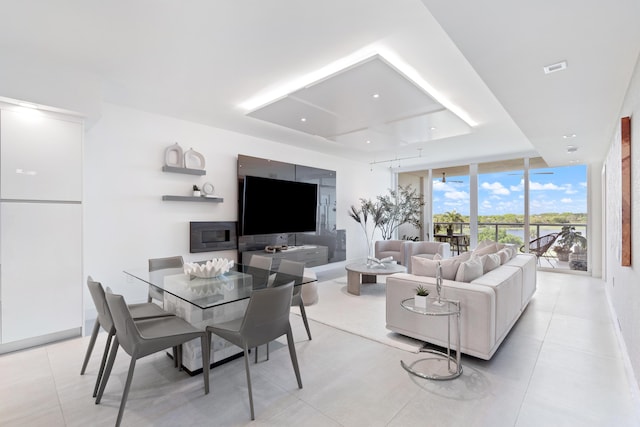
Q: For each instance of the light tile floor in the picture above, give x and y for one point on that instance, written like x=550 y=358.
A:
x=561 y=365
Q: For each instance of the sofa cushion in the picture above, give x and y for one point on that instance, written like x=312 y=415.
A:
x=427 y=267
x=488 y=249
x=505 y=255
x=489 y=262
x=469 y=270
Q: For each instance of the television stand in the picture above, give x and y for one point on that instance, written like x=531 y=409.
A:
x=310 y=255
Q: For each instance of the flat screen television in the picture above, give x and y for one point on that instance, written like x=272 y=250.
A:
x=270 y=206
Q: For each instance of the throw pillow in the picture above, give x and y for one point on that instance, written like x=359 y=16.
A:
x=489 y=262
x=469 y=270
x=505 y=255
x=490 y=249
x=465 y=256
x=437 y=257
x=484 y=243
x=427 y=267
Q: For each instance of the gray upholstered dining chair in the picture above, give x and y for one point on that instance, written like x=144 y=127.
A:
x=260 y=269
x=173 y=262
x=145 y=337
x=286 y=270
x=104 y=320
x=266 y=318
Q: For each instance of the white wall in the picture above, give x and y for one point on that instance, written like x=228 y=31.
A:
x=125 y=220
x=623 y=283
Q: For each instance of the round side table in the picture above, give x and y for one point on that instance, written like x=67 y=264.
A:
x=453 y=369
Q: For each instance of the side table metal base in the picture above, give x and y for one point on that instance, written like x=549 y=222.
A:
x=452 y=366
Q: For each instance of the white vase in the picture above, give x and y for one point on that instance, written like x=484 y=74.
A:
x=420 y=301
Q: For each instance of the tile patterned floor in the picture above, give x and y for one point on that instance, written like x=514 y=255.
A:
x=560 y=366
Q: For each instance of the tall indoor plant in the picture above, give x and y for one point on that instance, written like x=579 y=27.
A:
x=387 y=213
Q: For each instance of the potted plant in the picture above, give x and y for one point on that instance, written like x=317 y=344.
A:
x=569 y=239
x=420 y=300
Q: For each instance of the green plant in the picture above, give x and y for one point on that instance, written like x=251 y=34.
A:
x=402 y=206
x=389 y=212
x=422 y=291
x=568 y=237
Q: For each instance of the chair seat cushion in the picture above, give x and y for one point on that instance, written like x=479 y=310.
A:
x=147 y=310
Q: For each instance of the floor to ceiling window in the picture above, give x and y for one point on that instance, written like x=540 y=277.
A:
x=546 y=215
x=451 y=207
x=501 y=202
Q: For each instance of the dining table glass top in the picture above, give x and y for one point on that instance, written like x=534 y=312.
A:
x=235 y=285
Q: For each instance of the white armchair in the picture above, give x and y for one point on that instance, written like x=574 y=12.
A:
x=391 y=248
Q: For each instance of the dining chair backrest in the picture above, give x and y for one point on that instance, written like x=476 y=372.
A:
x=288 y=270
x=267 y=315
x=259 y=261
x=260 y=269
x=126 y=331
x=164 y=263
x=98 y=295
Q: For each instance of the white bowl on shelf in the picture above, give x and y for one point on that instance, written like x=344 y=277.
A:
x=213 y=268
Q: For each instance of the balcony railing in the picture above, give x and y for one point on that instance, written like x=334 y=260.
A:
x=514 y=232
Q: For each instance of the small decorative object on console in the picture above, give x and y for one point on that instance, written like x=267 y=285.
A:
x=275 y=248
x=196 y=191
x=215 y=267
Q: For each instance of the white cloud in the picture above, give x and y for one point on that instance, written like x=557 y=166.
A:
x=456 y=195
x=495 y=188
x=536 y=186
x=566 y=200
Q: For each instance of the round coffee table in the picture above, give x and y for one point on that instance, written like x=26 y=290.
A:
x=368 y=273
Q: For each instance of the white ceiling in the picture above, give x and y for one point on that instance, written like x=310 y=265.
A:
x=207 y=61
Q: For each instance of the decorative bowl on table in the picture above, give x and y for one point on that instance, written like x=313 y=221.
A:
x=213 y=268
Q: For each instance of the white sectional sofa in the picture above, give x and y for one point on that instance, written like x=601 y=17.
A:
x=490 y=304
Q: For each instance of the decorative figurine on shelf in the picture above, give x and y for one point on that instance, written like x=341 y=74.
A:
x=438 y=284
x=173 y=156
x=193 y=159
x=196 y=191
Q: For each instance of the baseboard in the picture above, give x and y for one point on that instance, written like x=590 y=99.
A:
x=41 y=340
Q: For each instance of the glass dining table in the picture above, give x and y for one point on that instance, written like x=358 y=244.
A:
x=205 y=301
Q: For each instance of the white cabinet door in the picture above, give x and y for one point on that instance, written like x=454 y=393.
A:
x=41 y=269
x=41 y=157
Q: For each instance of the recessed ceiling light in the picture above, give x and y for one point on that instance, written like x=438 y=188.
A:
x=432 y=128
x=375 y=96
x=568 y=136
x=558 y=66
x=303 y=119
x=368 y=141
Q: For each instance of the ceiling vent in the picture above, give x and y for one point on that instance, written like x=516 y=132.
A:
x=559 y=66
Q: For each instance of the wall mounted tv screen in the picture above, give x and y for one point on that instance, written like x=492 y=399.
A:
x=270 y=206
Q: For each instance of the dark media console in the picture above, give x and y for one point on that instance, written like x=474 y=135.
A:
x=312 y=256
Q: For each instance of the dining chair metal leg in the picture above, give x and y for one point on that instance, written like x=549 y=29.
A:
x=103 y=362
x=246 y=367
x=204 y=343
x=107 y=371
x=92 y=342
x=294 y=358
x=304 y=319
x=127 y=386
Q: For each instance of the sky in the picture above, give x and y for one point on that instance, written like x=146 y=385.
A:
x=563 y=190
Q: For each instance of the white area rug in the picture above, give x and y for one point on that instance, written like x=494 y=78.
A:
x=362 y=315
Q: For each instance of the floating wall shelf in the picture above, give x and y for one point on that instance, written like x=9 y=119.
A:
x=192 y=199
x=187 y=171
